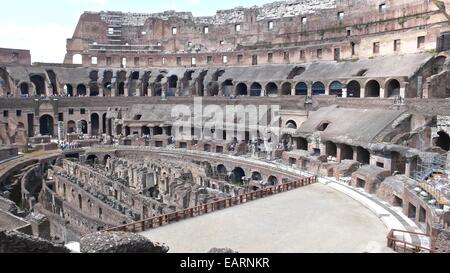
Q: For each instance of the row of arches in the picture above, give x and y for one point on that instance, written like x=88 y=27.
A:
x=238 y=174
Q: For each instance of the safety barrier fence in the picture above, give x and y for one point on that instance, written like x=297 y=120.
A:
x=397 y=240
x=177 y=216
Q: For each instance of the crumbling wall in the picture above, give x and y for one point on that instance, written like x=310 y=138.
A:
x=16 y=242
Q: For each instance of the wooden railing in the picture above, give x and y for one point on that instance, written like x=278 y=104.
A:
x=177 y=216
x=401 y=245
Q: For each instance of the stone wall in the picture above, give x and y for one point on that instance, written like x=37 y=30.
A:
x=16 y=242
x=441 y=241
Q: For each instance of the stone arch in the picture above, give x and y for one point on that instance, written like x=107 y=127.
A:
x=372 y=89
x=71 y=127
x=237 y=176
x=362 y=155
x=158 y=131
x=93 y=75
x=107 y=83
x=222 y=170
x=145 y=131
x=91 y=159
x=353 y=89
x=318 y=89
x=46 y=125
x=104 y=123
x=81 y=90
x=286 y=89
x=121 y=89
x=443 y=141
x=331 y=149
x=392 y=88
x=94 y=90
x=241 y=89
x=135 y=75
x=84 y=127
x=227 y=87
x=24 y=89
x=272 y=89
x=39 y=84
x=172 y=85
x=256 y=176
x=346 y=152
x=272 y=180
x=336 y=89
x=95 y=124
x=68 y=88
x=301 y=89
x=52 y=77
x=127 y=131
x=255 y=89
x=291 y=124
x=4 y=82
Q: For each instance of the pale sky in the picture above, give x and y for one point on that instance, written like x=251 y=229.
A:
x=43 y=26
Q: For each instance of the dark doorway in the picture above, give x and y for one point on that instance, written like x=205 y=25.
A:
x=46 y=124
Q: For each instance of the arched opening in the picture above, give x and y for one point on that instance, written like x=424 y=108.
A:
x=104 y=123
x=69 y=90
x=135 y=75
x=71 y=127
x=443 y=141
x=127 y=131
x=241 y=89
x=336 y=89
x=301 y=89
x=93 y=75
x=172 y=86
x=222 y=170
x=256 y=176
x=109 y=127
x=39 y=84
x=272 y=181
x=84 y=127
x=81 y=90
x=302 y=143
x=272 y=89
x=318 y=89
x=398 y=163
x=77 y=59
x=286 y=89
x=24 y=89
x=255 y=90
x=121 y=89
x=372 y=89
x=237 y=176
x=106 y=158
x=95 y=124
x=119 y=130
x=363 y=155
x=353 y=89
x=94 y=90
x=330 y=149
x=157 y=131
x=227 y=88
x=92 y=159
x=346 y=152
x=145 y=131
x=291 y=124
x=393 y=88
x=46 y=124
x=52 y=77
x=107 y=83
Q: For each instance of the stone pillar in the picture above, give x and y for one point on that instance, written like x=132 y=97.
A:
x=339 y=153
x=403 y=92
x=355 y=154
x=382 y=93
x=263 y=92
x=362 y=92
x=344 y=92
x=293 y=91
x=327 y=90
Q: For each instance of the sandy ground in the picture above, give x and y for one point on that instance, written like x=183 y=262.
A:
x=313 y=219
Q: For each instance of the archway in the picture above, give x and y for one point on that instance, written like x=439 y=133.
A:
x=227 y=88
x=255 y=90
x=157 y=131
x=318 y=89
x=291 y=124
x=81 y=90
x=443 y=141
x=94 y=90
x=393 y=88
x=301 y=89
x=286 y=89
x=92 y=159
x=346 y=152
x=372 y=89
x=95 y=124
x=363 y=155
x=24 y=89
x=46 y=124
x=71 y=127
x=121 y=89
x=272 y=89
x=222 y=170
x=172 y=86
x=106 y=158
x=272 y=180
x=237 y=176
x=69 y=90
x=336 y=89
x=241 y=89
x=39 y=84
x=256 y=176
x=127 y=131
x=353 y=89
x=84 y=127
x=104 y=123
x=331 y=149
x=145 y=131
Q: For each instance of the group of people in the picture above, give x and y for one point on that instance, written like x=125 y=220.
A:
x=69 y=146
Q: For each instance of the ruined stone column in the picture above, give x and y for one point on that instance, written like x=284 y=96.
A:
x=344 y=92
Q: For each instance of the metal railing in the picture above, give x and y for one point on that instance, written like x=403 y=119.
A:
x=177 y=216
x=400 y=243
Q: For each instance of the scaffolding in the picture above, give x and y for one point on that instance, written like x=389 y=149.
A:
x=431 y=164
